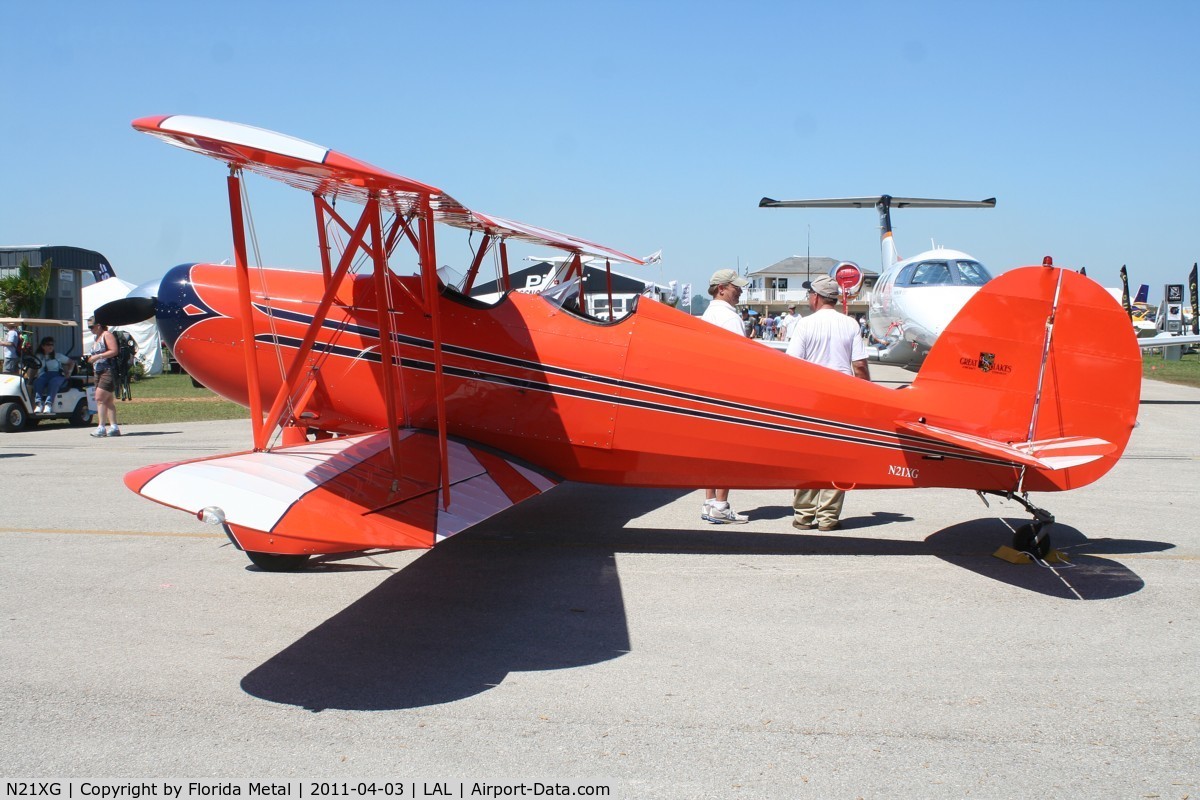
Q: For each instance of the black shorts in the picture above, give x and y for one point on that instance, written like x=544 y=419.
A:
x=105 y=380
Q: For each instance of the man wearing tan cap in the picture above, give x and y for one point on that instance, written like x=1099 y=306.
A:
x=829 y=338
x=725 y=289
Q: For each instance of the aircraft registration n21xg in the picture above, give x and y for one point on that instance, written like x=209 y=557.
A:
x=390 y=410
x=915 y=298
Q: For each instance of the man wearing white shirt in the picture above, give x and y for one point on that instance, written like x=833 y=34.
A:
x=829 y=338
x=786 y=323
x=725 y=288
x=11 y=345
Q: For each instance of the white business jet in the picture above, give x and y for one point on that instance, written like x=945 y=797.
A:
x=915 y=298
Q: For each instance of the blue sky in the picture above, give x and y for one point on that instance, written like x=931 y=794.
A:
x=641 y=125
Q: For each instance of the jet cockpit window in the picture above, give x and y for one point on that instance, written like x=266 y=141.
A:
x=931 y=273
x=972 y=273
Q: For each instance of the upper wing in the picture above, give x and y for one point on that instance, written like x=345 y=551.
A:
x=318 y=169
x=340 y=495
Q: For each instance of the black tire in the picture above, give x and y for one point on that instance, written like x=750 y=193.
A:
x=81 y=416
x=1023 y=540
x=277 y=562
x=13 y=417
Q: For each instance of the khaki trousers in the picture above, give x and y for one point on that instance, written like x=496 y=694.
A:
x=821 y=507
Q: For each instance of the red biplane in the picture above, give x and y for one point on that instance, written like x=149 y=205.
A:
x=392 y=410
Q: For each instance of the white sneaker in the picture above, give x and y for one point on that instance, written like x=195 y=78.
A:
x=722 y=516
x=736 y=517
x=113 y=430
x=99 y=433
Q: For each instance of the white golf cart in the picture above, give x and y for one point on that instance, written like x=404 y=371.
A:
x=75 y=401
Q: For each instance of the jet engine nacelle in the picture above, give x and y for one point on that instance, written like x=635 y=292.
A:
x=849 y=277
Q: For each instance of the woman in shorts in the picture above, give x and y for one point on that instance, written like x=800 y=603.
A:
x=101 y=357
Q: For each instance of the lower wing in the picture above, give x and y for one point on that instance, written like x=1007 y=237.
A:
x=341 y=495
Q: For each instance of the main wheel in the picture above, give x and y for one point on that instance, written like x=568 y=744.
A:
x=13 y=417
x=81 y=416
x=277 y=562
x=1024 y=540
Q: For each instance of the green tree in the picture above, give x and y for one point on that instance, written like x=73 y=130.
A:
x=24 y=293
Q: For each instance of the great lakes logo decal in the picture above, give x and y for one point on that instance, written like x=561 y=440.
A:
x=985 y=363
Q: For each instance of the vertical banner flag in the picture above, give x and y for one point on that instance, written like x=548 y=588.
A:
x=103 y=272
x=1125 y=292
x=1195 y=305
x=686 y=300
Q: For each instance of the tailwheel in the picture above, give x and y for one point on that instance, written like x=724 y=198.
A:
x=278 y=562
x=1032 y=537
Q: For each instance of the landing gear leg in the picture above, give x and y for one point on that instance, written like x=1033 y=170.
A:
x=1033 y=536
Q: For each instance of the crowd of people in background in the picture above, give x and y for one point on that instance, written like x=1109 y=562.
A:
x=778 y=327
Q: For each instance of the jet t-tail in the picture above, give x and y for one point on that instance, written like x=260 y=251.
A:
x=914 y=299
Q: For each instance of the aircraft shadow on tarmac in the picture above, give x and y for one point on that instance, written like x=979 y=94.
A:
x=524 y=591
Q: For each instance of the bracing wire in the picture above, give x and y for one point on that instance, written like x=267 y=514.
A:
x=252 y=235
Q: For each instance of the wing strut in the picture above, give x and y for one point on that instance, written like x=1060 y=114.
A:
x=234 y=183
x=322 y=310
x=322 y=240
x=384 y=311
x=504 y=265
x=429 y=274
x=477 y=262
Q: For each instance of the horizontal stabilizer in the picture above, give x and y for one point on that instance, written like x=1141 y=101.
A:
x=1051 y=454
x=872 y=202
x=339 y=495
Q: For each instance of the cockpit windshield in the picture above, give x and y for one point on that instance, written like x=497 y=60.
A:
x=972 y=273
x=944 y=273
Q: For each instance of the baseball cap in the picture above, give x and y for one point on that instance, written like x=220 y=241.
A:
x=723 y=276
x=825 y=286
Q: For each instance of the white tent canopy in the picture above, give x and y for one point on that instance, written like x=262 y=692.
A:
x=144 y=333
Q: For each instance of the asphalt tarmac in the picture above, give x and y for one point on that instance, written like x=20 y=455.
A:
x=607 y=638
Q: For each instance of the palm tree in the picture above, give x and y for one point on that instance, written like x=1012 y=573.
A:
x=24 y=294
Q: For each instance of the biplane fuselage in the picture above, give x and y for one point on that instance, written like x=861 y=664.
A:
x=658 y=398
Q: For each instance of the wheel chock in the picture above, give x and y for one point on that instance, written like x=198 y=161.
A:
x=1012 y=556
